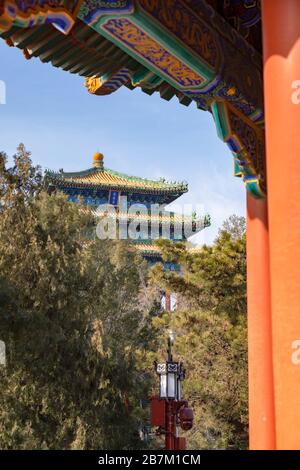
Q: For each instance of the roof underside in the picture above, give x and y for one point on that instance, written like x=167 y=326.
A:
x=83 y=52
x=243 y=15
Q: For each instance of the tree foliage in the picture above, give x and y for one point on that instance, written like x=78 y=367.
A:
x=71 y=321
x=211 y=334
x=213 y=277
x=235 y=225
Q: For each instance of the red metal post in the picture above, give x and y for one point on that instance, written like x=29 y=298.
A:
x=170 y=427
x=158 y=412
x=168 y=301
x=169 y=411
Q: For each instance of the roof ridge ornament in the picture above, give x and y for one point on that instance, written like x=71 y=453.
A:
x=98 y=159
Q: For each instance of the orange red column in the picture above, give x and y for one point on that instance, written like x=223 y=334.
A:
x=281 y=40
x=261 y=392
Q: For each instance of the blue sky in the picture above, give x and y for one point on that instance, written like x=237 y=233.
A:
x=50 y=111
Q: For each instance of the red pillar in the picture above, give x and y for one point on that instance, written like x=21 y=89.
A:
x=281 y=38
x=261 y=393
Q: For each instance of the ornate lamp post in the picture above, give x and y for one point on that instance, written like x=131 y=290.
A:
x=168 y=411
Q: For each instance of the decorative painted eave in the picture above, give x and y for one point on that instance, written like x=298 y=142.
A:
x=187 y=48
x=83 y=52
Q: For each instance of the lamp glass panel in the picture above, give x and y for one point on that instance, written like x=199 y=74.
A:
x=163 y=386
x=171 y=385
x=178 y=390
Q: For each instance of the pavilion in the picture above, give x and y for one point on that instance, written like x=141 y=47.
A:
x=130 y=200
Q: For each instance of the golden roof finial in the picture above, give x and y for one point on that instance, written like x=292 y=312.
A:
x=98 y=160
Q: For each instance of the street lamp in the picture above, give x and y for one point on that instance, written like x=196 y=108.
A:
x=169 y=377
x=168 y=411
x=170 y=374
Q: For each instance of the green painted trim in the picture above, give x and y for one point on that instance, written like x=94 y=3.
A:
x=145 y=78
x=217 y=119
x=140 y=76
x=224 y=133
x=221 y=121
x=237 y=169
x=254 y=189
x=161 y=184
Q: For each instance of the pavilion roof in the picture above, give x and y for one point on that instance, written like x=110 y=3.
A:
x=104 y=178
x=148 y=249
x=151 y=249
x=163 y=217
